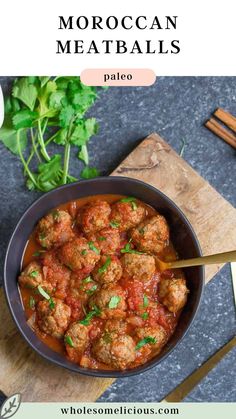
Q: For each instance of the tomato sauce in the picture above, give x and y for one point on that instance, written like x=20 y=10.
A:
x=144 y=308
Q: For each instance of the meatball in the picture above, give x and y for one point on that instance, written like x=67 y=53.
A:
x=115 y=351
x=55 y=229
x=115 y=326
x=107 y=240
x=158 y=333
x=55 y=319
x=110 y=300
x=79 y=254
x=107 y=270
x=55 y=273
x=173 y=293
x=127 y=214
x=141 y=267
x=151 y=235
x=82 y=288
x=32 y=276
x=76 y=340
x=94 y=216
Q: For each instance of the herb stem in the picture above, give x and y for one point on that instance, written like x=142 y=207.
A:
x=35 y=147
x=66 y=163
x=41 y=142
x=27 y=170
x=67 y=153
x=49 y=140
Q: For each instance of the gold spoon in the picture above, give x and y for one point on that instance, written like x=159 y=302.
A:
x=203 y=260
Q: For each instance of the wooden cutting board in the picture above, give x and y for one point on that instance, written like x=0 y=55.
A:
x=212 y=217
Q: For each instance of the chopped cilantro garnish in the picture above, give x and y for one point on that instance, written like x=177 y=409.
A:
x=69 y=341
x=43 y=293
x=145 y=341
x=94 y=312
x=132 y=200
x=93 y=248
x=91 y=290
x=38 y=252
x=101 y=239
x=87 y=280
x=32 y=302
x=52 y=304
x=128 y=249
x=114 y=224
x=145 y=301
x=33 y=274
x=84 y=252
x=144 y=316
x=114 y=301
x=105 y=266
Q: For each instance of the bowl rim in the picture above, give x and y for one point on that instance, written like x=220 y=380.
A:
x=74 y=367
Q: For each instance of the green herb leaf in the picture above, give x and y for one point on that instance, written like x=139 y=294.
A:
x=9 y=139
x=145 y=301
x=33 y=274
x=132 y=201
x=145 y=316
x=65 y=116
x=43 y=80
x=101 y=238
x=55 y=100
x=49 y=174
x=114 y=224
x=83 y=154
x=89 y=172
x=103 y=268
x=32 y=302
x=87 y=280
x=93 y=248
x=24 y=119
x=95 y=312
x=69 y=341
x=91 y=290
x=43 y=293
x=25 y=91
x=128 y=249
x=114 y=301
x=43 y=98
x=145 y=341
x=52 y=304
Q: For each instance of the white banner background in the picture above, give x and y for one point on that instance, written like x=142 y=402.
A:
x=29 y=30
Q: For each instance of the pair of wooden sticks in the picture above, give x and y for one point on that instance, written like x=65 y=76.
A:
x=226 y=134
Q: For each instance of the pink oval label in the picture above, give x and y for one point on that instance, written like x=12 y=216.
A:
x=118 y=77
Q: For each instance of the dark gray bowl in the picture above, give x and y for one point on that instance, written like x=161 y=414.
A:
x=183 y=238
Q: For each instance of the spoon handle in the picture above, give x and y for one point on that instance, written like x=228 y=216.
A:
x=205 y=260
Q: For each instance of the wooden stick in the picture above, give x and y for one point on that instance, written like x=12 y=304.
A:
x=222 y=132
x=226 y=118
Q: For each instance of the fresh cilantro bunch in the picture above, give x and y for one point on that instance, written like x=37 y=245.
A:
x=42 y=110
